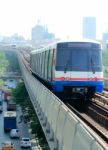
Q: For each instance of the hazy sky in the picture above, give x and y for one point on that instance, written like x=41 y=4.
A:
x=63 y=17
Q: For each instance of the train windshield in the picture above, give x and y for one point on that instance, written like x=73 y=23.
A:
x=79 y=56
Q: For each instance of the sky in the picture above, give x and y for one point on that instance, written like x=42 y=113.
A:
x=62 y=17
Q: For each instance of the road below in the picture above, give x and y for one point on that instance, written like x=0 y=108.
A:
x=21 y=126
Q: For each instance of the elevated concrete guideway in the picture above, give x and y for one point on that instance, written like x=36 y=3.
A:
x=62 y=128
x=7 y=48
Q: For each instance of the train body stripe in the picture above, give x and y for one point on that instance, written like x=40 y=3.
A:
x=77 y=79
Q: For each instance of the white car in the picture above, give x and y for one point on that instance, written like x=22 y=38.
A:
x=14 y=133
x=25 y=142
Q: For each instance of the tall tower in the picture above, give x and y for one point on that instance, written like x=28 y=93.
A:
x=89 y=27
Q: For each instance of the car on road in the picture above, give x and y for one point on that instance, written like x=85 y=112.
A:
x=25 y=142
x=7 y=145
x=15 y=133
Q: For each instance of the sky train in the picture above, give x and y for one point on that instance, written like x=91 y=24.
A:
x=72 y=67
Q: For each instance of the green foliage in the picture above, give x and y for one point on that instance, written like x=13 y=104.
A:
x=34 y=126
x=20 y=93
x=106 y=69
x=3 y=63
x=1 y=83
x=21 y=97
x=37 y=129
x=13 y=62
x=105 y=57
x=105 y=61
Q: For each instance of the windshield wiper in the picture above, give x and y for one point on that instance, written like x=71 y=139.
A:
x=66 y=67
x=92 y=66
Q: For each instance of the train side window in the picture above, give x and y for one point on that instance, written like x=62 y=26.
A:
x=35 y=62
x=53 y=63
x=31 y=62
x=48 y=64
x=39 y=64
x=44 y=63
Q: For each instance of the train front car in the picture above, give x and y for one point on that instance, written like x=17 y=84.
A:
x=78 y=69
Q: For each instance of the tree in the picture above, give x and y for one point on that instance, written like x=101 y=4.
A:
x=20 y=93
x=21 y=97
x=105 y=60
x=105 y=57
x=3 y=63
x=13 y=62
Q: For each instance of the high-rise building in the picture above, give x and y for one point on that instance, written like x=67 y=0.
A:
x=105 y=40
x=40 y=33
x=105 y=36
x=89 y=27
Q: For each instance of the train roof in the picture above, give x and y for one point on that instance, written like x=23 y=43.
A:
x=53 y=44
x=79 y=40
